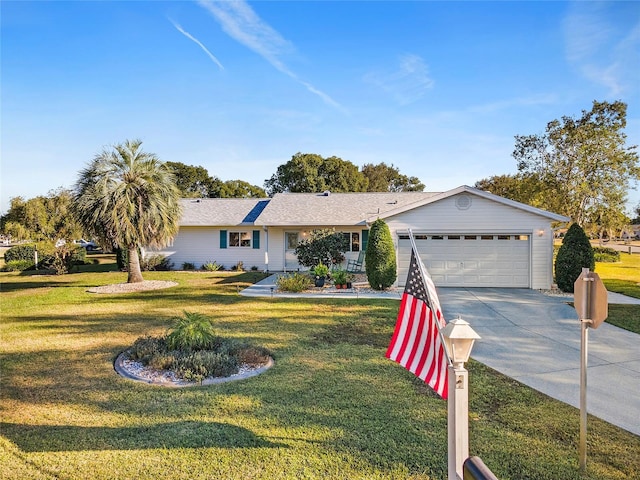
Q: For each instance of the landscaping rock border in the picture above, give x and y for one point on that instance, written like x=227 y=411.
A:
x=133 y=287
x=136 y=371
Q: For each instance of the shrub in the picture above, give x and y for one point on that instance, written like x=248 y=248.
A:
x=252 y=355
x=155 y=263
x=295 y=282
x=18 y=265
x=64 y=258
x=221 y=360
x=239 y=267
x=254 y=268
x=122 y=258
x=211 y=266
x=380 y=257
x=20 y=252
x=193 y=331
x=188 y=266
x=145 y=348
x=199 y=365
x=574 y=254
x=606 y=254
x=323 y=246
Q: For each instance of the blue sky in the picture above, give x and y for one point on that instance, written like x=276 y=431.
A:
x=439 y=89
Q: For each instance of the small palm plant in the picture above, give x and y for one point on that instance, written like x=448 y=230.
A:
x=193 y=331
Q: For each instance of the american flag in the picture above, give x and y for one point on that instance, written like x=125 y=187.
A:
x=416 y=343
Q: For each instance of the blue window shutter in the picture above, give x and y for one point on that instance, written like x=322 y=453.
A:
x=365 y=239
x=223 y=239
x=256 y=239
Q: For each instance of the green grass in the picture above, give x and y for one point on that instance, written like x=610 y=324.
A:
x=623 y=277
x=332 y=407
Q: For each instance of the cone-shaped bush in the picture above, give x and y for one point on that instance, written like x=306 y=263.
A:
x=380 y=257
x=574 y=254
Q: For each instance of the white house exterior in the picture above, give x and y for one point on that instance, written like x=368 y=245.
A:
x=465 y=236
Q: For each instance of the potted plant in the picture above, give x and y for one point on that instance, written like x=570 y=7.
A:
x=340 y=278
x=320 y=272
x=350 y=277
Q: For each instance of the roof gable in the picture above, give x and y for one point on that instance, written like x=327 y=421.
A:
x=483 y=194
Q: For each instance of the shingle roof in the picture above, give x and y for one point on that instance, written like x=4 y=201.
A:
x=221 y=211
x=323 y=209
x=335 y=208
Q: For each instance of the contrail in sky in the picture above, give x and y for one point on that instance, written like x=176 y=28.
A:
x=240 y=22
x=198 y=42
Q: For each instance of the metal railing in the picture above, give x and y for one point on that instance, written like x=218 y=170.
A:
x=475 y=469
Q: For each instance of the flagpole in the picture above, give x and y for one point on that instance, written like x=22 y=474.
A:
x=424 y=274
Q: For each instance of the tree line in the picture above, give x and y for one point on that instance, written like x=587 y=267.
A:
x=304 y=173
x=579 y=167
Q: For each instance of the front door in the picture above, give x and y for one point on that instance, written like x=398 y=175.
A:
x=291 y=240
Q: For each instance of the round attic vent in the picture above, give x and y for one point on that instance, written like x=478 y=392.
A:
x=463 y=202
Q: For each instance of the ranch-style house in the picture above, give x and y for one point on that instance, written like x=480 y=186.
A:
x=466 y=237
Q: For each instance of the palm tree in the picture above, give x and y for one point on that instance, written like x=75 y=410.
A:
x=128 y=198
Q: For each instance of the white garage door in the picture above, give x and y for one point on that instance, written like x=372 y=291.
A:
x=472 y=260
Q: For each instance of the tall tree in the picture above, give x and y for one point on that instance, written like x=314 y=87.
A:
x=583 y=162
x=387 y=178
x=239 y=189
x=194 y=182
x=309 y=172
x=523 y=188
x=636 y=210
x=340 y=175
x=129 y=198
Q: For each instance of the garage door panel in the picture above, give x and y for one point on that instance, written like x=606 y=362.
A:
x=437 y=265
x=487 y=260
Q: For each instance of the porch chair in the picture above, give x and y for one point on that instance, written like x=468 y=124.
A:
x=355 y=266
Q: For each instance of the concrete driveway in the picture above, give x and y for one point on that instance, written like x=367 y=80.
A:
x=535 y=339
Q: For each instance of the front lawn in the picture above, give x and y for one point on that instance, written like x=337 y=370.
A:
x=623 y=276
x=332 y=407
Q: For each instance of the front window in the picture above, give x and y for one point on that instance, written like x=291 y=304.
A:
x=240 y=239
x=353 y=240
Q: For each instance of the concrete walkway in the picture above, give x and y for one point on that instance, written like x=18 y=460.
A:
x=535 y=339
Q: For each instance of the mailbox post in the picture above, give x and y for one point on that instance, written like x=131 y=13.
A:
x=591 y=303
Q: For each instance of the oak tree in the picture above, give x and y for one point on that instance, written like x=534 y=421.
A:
x=583 y=163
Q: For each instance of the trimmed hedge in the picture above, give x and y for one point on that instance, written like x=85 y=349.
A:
x=606 y=254
x=20 y=252
x=17 y=265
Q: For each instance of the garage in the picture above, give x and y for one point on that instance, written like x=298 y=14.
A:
x=470 y=260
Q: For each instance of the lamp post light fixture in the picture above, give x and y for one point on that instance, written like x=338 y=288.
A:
x=458 y=338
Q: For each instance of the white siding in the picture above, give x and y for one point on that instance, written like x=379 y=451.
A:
x=199 y=245
x=482 y=216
